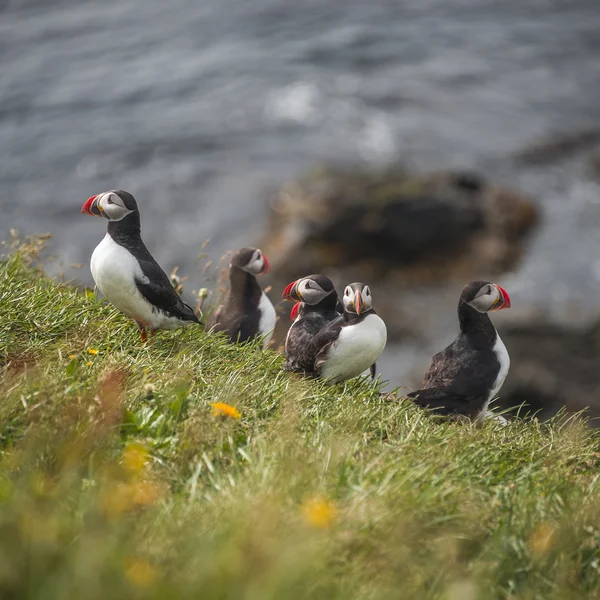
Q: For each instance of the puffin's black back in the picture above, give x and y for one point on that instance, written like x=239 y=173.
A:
x=239 y=317
x=156 y=287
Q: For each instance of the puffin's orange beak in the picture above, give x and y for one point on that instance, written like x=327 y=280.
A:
x=503 y=300
x=91 y=207
x=358 y=303
x=295 y=310
x=291 y=292
x=267 y=266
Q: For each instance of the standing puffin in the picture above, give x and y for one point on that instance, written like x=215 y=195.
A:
x=463 y=378
x=317 y=305
x=350 y=344
x=247 y=312
x=126 y=273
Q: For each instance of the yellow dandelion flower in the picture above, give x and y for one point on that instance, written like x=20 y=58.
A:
x=319 y=513
x=89 y=363
x=140 y=573
x=145 y=493
x=72 y=356
x=220 y=409
x=92 y=351
x=135 y=457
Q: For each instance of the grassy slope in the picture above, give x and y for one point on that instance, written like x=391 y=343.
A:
x=116 y=481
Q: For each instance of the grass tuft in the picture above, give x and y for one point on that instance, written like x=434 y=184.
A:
x=189 y=468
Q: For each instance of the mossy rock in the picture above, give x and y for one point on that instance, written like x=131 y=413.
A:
x=334 y=216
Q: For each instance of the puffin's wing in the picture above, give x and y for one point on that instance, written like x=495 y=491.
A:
x=443 y=369
x=302 y=332
x=467 y=372
x=322 y=342
x=155 y=286
x=297 y=341
x=442 y=400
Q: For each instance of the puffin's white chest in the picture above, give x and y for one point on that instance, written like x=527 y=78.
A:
x=115 y=271
x=266 y=323
x=356 y=349
x=502 y=356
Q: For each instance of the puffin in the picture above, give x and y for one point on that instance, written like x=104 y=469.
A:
x=317 y=304
x=350 y=344
x=247 y=312
x=126 y=273
x=464 y=377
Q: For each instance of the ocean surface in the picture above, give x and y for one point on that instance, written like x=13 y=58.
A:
x=200 y=108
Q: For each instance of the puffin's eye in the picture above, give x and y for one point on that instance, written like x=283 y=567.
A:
x=347 y=292
x=109 y=200
x=307 y=286
x=367 y=292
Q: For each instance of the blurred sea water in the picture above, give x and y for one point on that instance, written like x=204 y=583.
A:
x=199 y=108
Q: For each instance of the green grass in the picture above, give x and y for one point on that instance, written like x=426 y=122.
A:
x=116 y=480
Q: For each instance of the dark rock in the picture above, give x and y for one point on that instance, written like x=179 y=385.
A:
x=395 y=222
x=470 y=182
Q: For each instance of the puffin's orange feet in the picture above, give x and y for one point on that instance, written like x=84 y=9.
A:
x=142 y=331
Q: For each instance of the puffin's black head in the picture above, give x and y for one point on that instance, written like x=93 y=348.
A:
x=251 y=260
x=114 y=205
x=357 y=298
x=311 y=289
x=484 y=296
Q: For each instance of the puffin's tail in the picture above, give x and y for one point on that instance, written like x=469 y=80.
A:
x=441 y=400
x=188 y=313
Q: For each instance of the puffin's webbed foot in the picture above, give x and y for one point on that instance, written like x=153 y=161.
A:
x=142 y=329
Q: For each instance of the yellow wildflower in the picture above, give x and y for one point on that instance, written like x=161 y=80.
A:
x=140 y=573
x=72 y=356
x=135 y=457
x=319 y=513
x=92 y=351
x=220 y=409
x=88 y=363
x=145 y=493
